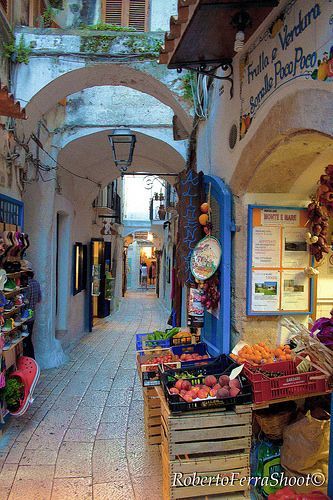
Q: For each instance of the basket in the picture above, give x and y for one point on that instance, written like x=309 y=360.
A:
x=142 y=342
x=192 y=338
x=219 y=366
x=273 y=422
x=200 y=348
x=287 y=383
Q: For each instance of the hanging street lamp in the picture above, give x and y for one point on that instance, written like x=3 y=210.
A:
x=123 y=143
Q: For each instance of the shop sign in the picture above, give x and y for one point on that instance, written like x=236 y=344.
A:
x=297 y=45
x=277 y=257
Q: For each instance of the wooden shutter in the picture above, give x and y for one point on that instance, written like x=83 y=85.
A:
x=113 y=12
x=137 y=14
x=132 y=13
x=4 y=5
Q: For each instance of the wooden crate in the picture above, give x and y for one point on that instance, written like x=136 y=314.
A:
x=152 y=415
x=205 y=443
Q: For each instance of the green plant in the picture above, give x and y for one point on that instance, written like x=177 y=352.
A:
x=100 y=26
x=47 y=17
x=144 y=45
x=12 y=393
x=56 y=4
x=187 y=86
x=17 y=53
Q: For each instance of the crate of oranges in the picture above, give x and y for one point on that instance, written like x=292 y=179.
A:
x=260 y=354
x=273 y=373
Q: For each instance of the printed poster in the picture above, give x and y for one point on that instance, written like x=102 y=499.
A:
x=265 y=291
x=266 y=247
x=278 y=256
x=295 y=248
x=295 y=291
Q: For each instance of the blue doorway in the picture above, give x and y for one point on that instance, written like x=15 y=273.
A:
x=216 y=331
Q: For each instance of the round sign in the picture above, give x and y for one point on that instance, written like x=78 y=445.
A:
x=205 y=258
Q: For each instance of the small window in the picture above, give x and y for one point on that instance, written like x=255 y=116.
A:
x=131 y=13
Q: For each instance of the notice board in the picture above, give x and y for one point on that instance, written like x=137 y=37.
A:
x=277 y=256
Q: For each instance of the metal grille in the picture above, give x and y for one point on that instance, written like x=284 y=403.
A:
x=233 y=136
x=215 y=216
x=11 y=212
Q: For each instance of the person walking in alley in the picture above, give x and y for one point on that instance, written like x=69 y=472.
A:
x=144 y=275
x=33 y=297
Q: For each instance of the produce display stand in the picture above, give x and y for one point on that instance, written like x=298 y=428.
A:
x=206 y=442
x=152 y=415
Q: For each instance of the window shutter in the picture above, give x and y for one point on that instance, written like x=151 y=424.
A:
x=113 y=12
x=137 y=14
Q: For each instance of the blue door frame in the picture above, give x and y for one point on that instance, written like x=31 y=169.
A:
x=216 y=331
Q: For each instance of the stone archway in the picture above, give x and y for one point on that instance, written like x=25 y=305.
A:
x=267 y=162
x=66 y=79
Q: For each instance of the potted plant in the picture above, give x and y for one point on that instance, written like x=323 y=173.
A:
x=12 y=393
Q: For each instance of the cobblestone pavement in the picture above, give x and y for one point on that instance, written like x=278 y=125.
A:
x=83 y=436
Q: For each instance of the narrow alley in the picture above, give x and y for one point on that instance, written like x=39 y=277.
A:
x=84 y=436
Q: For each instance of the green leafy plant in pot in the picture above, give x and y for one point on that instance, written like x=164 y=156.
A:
x=12 y=393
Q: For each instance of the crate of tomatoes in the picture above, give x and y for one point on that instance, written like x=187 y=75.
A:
x=193 y=354
x=148 y=364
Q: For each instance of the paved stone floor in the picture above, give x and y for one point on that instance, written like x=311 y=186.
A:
x=83 y=436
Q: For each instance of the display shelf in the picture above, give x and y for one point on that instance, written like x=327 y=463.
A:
x=18 y=341
x=15 y=292
x=15 y=310
x=16 y=327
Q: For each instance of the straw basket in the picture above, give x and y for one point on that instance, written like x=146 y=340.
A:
x=273 y=421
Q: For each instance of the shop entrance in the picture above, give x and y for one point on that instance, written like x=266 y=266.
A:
x=216 y=331
x=100 y=268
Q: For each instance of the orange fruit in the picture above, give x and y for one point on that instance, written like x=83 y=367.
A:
x=203 y=219
x=204 y=208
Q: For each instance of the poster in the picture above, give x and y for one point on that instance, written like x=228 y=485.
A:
x=266 y=248
x=295 y=248
x=277 y=256
x=295 y=291
x=298 y=44
x=265 y=290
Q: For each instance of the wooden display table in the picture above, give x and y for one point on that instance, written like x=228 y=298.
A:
x=205 y=447
x=152 y=415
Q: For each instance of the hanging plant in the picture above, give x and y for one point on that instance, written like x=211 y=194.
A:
x=319 y=211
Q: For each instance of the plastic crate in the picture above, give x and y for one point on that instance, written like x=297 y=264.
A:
x=142 y=342
x=190 y=339
x=219 y=366
x=149 y=373
x=200 y=348
x=287 y=383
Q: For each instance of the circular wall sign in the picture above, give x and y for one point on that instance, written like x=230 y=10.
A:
x=206 y=258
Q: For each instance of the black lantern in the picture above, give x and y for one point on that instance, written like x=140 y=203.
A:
x=123 y=142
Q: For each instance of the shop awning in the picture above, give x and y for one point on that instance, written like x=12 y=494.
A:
x=203 y=32
x=8 y=105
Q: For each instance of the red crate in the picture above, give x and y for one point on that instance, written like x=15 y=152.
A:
x=289 y=384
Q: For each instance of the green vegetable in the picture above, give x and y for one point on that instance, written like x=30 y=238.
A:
x=172 y=332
